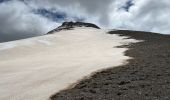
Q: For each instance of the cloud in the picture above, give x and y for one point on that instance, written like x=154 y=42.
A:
x=17 y=21
x=56 y=16
x=91 y=9
x=151 y=15
x=144 y=15
x=25 y=18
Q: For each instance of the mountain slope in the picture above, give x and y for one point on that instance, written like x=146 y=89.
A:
x=36 y=68
x=146 y=77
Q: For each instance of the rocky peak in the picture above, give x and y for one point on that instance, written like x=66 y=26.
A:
x=71 y=25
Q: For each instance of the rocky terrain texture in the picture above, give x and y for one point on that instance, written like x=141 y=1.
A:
x=146 y=77
x=71 y=25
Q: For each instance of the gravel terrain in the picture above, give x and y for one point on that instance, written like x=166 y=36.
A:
x=146 y=77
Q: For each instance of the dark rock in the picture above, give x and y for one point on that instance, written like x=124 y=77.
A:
x=123 y=83
x=119 y=93
x=92 y=91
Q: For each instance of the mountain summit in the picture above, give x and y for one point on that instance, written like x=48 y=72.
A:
x=71 y=25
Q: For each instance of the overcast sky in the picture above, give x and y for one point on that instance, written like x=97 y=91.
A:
x=25 y=18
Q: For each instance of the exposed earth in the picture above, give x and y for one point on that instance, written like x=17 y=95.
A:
x=145 y=77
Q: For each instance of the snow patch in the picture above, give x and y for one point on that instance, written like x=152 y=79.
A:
x=7 y=46
x=32 y=71
x=45 y=42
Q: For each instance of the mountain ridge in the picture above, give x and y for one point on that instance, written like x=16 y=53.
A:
x=71 y=25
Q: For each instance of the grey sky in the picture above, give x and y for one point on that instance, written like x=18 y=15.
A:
x=18 y=18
